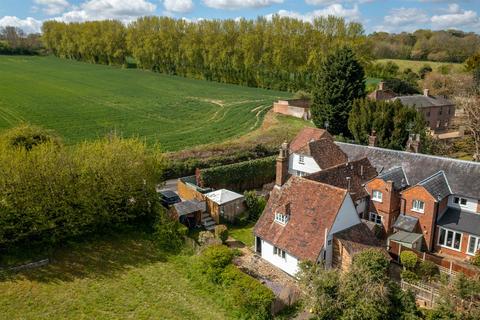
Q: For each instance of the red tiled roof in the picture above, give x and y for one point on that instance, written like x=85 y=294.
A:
x=358 y=238
x=318 y=144
x=313 y=208
x=359 y=172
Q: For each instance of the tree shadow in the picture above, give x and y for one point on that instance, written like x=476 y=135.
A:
x=94 y=259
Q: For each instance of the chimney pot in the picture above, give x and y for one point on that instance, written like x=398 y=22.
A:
x=426 y=92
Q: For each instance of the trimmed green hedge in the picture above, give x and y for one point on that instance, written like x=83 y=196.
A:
x=240 y=176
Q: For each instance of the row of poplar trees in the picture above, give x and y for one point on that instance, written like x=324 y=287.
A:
x=277 y=53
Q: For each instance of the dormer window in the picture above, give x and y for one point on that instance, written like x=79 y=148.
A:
x=377 y=196
x=281 y=218
x=460 y=201
x=418 y=206
x=301 y=159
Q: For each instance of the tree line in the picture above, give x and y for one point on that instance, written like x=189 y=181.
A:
x=14 y=41
x=442 y=46
x=278 y=53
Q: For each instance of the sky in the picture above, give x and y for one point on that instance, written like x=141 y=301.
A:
x=375 y=15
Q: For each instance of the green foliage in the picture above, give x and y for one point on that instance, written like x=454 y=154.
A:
x=245 y=52
x=221 y=232
x=240 y=176
x=409 y=276
x=392 y=122
x=473 y=62
x=28 y=136
x=152 y=107
x=169 y=234
x=51 y=193
x=409 y=260
x=301 y=94
x=382 y=70
x=340 y=80
x=372 y=262
x=475 y=260
x=214 y=259
x=424 y=70
x=255 y=204
x=403 y=87
x=206 y=238
x=428 y=270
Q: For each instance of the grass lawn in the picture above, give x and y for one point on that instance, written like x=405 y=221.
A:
x=243 y=233
x=416 y=65
x=125 y=277
x=83 y=101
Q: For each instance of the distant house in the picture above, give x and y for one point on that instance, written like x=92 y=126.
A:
x=299 y=108
x=382 y=93
x=225 y=204
x=313 y=150
x=437 y=110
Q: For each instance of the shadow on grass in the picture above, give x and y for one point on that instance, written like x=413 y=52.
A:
x=104 y=257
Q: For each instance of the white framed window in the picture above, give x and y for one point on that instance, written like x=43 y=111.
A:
x=301 y=159
x=374 y=217
x=377 y=196
x=301 y=173
x=418 y=206
x=279 y=252
x=461 y=201
x=281 y=218
x=450 y=239
x=473 y=245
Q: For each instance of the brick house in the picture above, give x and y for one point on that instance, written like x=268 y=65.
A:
x=298 y=108
x=437 y=110
x=313 y=150
x=424 y=202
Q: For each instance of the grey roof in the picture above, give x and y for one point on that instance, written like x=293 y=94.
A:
x=406 y=223
x=190 y=206
x=463 y=176
x=423 y=101
x=223 y=196
x=405 y=237
x=397 y=176
x=437 y=185
x=458 y=220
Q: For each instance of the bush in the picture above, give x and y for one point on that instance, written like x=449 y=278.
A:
x=169 y=234
x=214 y=259
x=409 y=260
x=240 y=176
x=28 y=136
x=206 y=238
x=409 y=276
x=428 y=270
x=475 y=260
x=255 y=205
x=221 y=232
x=372 y=261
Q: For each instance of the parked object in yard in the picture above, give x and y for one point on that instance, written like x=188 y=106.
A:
x=225 y=204
x=168 y=198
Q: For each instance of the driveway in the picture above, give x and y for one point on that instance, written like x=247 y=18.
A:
x=169 y=185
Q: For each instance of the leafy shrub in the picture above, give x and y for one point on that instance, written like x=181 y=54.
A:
x=475 y=260
x=240 y=176
x=214 y=259
x=169 y=234
x=409 y=260
x=301 y=94
x=371 y=261
x=28 y=136
x=206 y=238
x=255 y=205
x=428 y=270
x=409 y=276
x=221 y=232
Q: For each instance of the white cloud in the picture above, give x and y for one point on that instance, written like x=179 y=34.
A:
x=124 y=10
x=181 y=6
x=239 y=4
x=52 y=7
x=459 y=19
x=326 y=2
x=403 y=19
x=28 y=25
x=337 y=10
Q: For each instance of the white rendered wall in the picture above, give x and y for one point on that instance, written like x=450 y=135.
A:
x=471 y=205
x=309 y=165
x=289 y=264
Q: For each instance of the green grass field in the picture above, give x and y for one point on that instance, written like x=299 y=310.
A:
x=416 y=65
x=82 y=101
x=121 y=277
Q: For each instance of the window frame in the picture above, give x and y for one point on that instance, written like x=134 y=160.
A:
x=376 y=199
x=301 y=159
x=444 y=244
x=477 y=244
x=417 y=209
x=279 y=253
x=376 y=216
x=281 y=218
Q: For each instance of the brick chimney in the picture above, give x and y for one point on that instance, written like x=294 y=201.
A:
x=372 y=139
x=413 y=143
x=426 y=92
x=282 y=165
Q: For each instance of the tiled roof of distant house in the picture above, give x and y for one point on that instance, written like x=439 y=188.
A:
x=406 y=223
x=310 y=214
x=397 y=176
x=463 y=176
x=358 y=238
x=437 y=185
x=359 y=172
x=424 y=101
x=318 y=144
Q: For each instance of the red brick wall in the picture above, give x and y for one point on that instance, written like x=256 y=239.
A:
x=462 y=254
x=426 y=219
x=389 y=208
x=435 y=116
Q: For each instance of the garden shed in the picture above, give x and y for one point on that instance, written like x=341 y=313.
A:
x=189 y=212
x=225 y=204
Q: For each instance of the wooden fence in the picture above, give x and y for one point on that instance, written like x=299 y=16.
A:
x=425 y=295
x=445 y=265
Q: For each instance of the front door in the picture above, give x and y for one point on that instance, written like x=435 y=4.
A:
x=259 y=246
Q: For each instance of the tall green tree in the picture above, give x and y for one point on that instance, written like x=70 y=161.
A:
x=340 y=80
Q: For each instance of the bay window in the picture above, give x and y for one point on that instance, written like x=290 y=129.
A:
x=473 y=245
